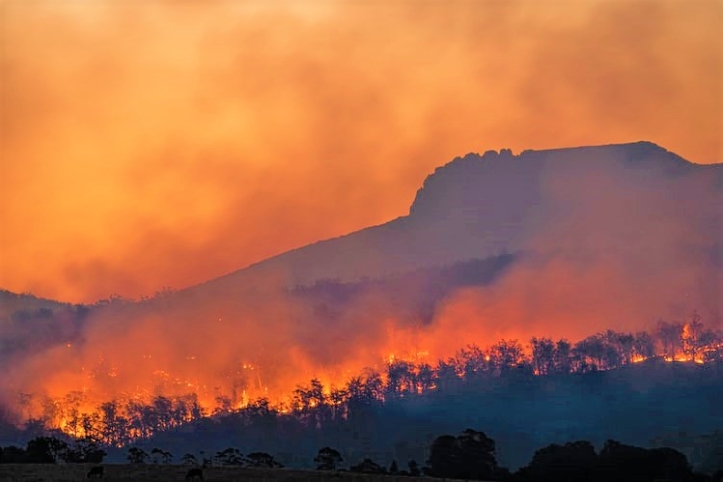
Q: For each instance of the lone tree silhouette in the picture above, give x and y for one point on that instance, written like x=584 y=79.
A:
x=470 y=455
x=137 y=455
x=327 y=459
x=367 y=466
x=165 y=457
x=189 y=459
x=262 y=459
x=564 y=463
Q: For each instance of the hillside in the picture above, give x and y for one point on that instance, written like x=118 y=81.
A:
x=561 y=244
x=479 y=206
x=633 y=404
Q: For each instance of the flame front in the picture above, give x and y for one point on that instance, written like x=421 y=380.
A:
x=145 y=395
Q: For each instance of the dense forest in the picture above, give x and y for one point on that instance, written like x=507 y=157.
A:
x=642 y=384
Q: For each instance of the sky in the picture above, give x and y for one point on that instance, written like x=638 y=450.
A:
x=163 y=143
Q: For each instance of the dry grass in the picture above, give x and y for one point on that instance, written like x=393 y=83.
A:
x=142 y=473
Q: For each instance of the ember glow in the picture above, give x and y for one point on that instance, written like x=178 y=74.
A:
x=81 y=402
x=148 y=145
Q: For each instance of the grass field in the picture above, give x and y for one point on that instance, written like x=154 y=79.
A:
x=142 y=473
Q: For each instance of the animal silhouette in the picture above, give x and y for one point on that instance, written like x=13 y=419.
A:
x=194 y=474
x=96 y=472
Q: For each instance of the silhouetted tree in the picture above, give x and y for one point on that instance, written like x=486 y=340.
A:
x=364 y=392
x=262 y=459
x=426 y=377
x=592 y=352
x=447 y=374
x=162 y=456
x=224 y=404
x=367 y=466
x=561 y=357
x=643 y=345
x=444 y=457
x=337 y=402
x=46 y=450
x=310 y=403
x=473 y=362
x=327 y=459
x=400 y=378
x=114 y=427
x=670 y=335
x=85 y=450
x=34 y=427
x=626 y=463
x=230 y=456
x=506 y=354
x=543 y=355
x=620 y=348
x=189 y=459
x=690 y=336
x=13 y=455
x=471 y=455
x=572 y=462
x=137 y=456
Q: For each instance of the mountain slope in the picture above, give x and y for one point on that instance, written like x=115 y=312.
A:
x=560 y=243
x=480 y=206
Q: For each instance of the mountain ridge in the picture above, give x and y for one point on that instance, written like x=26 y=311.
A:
x=450 y=197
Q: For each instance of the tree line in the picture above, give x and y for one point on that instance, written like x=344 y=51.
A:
x=471 y=455
x=120 y=422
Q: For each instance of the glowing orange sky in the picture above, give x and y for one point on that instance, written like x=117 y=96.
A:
x=161 y=143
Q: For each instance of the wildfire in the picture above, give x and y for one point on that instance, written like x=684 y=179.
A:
x=684 y=359
x=189 y=390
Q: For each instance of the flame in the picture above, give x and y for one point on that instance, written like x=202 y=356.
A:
x=73 y=400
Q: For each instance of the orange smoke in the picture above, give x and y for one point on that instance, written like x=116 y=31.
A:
x=162 y=144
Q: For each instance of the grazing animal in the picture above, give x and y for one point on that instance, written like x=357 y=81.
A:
x=194 y=474
x=96 y=472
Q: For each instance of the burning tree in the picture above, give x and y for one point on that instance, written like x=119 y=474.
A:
x=543 y=356
x=139 y=416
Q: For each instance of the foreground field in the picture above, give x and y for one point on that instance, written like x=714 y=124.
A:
x=142 y=473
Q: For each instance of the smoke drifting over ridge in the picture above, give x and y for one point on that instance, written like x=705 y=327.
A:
x=609 y=237
x=137 y=134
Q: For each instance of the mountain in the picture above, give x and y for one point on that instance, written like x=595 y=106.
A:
x=32 y=324
x=13 y=302
x=635 y=203
x=559 y=243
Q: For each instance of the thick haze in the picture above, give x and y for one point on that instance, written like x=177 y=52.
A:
x=613 y=237
x=150 y=144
